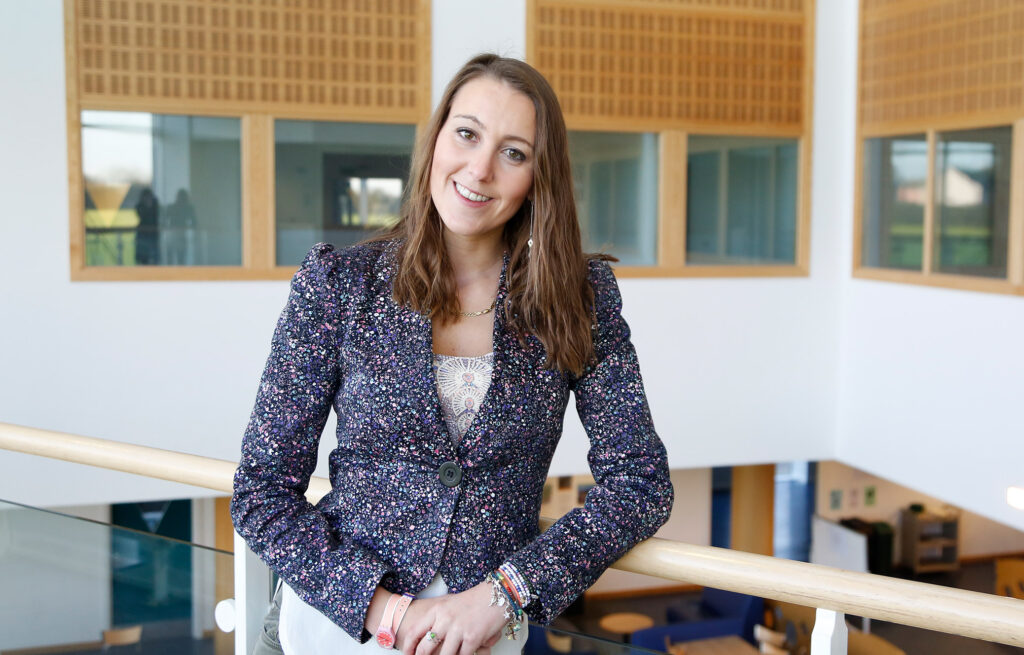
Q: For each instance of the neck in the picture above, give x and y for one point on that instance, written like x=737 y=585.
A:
x=474 y=258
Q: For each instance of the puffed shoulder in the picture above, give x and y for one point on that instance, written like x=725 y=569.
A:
x=324 y=259
x=607 y=299
x=325 y=264
x=600 y=272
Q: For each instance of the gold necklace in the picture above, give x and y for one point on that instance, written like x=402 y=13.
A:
x=482 y=311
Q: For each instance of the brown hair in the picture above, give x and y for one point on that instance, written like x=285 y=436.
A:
x=548 y=292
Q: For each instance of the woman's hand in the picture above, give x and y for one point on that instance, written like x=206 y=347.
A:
x=466 y=623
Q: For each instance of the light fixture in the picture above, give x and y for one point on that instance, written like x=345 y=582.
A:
x=1015 y=496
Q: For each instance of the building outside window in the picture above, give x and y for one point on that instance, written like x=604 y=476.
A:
x=161 y=190
x=972 y=202
x=337 y=182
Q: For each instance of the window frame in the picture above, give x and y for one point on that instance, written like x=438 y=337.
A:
x=258 y=227
x=672 y=214
x=259 y=221
x=902 y=123
x=672 y=171
x=1013 y=283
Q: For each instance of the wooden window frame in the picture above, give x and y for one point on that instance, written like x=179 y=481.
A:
x=258 y=228
x=672 y=173
x=960 y=119
x=1013 y=283
x=672 y=217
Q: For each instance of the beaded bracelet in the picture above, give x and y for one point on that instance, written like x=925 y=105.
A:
x=509 y=587
x=501 y=597
x=519 y=583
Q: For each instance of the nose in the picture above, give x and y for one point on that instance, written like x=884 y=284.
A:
x=481 y=165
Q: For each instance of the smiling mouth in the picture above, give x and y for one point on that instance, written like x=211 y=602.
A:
x=470 y=195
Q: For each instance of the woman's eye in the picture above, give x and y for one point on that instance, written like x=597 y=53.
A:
x=515 y=155
x=465 y=133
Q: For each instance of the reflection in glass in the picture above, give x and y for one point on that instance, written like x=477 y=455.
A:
x=616 y=188
x=337 y=182
x=972 y=201
x=161 y=189
x=73 y=578
x=741 y=200
x=893 y=188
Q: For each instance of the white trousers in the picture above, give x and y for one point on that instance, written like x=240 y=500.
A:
x=305 y=631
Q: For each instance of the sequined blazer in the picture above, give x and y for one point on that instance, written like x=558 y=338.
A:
x=407 y=504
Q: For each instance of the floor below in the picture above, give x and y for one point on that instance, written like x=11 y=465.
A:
x=914 y=641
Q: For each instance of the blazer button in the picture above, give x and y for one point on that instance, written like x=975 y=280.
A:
x=450 y=474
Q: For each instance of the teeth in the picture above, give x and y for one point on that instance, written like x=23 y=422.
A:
x=469 y=195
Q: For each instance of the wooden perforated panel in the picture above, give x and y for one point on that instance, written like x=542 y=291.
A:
x=796 y=6
x=940 y=61
x=344 y=58
x=675 y=63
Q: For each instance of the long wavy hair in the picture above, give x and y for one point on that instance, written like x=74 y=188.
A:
x=548 y=292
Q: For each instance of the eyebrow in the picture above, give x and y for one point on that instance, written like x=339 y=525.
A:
x=510 y=137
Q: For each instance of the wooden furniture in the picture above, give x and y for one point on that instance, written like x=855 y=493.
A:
x=625 y=623
x=128 y=636
x=1010 y=577
x=929 y=542
x=731 y=645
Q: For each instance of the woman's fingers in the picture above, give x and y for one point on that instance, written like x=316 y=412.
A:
x=453 y=644
x=431 y=642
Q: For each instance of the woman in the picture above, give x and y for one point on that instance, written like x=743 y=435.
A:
x=448 y=349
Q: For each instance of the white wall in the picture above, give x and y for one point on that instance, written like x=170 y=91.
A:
x=933 y=393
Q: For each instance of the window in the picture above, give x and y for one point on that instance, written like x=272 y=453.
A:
x=336 y=182
x=972 y=202
x=938 y=205
x=894 y=189
x=741 y=200
x=161 y=190
x=180 y=182
x=937 y=202
x=616 y=188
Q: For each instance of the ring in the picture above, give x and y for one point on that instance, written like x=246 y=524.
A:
x=433 y=638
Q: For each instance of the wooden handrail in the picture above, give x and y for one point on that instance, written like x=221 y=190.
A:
x=955 y=611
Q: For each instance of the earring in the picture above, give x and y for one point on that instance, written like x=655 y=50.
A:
x=529 y=242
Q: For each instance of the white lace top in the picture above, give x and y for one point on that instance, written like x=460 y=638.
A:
x=462 y=383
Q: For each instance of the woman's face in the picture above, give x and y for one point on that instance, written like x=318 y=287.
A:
x=483 y=158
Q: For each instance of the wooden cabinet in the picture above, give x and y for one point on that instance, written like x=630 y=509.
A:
x=930 y=542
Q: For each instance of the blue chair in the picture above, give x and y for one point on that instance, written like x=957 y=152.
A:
x=716 y=606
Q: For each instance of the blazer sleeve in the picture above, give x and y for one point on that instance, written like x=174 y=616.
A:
x=632 y=496
x=279 y=452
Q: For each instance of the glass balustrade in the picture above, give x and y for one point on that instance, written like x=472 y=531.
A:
x=545 y=640
x=79 y=585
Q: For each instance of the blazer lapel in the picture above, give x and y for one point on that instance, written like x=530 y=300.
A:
x=495 y=403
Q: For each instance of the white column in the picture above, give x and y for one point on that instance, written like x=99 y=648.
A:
x=252 y=596
x=203 y=567
x=830 y=634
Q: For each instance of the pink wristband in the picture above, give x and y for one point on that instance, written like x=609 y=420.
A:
x=385 y=635
x=403 y=605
